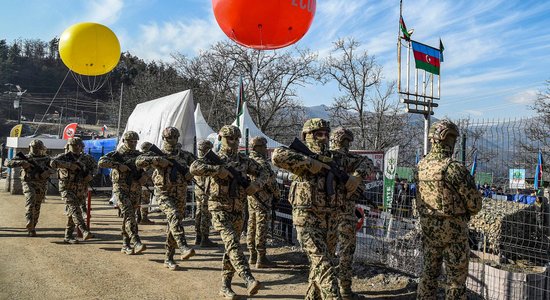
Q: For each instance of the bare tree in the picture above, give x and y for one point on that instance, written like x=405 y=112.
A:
x=270 y=81
x=539 y=130
x=367 y=104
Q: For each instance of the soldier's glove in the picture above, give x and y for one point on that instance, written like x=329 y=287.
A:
x=163 y=163
x=223 y=173
x=25 y=165
x=252 y=188
x=316 y=166
x=123 y=168
x=46 y=173
x=143 y=179
x=352 y=184
x=88 y=178
x=188 y=176
x=74 y=166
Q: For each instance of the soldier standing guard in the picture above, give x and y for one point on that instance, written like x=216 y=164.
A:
x=313 y=209
x=203 y=218
x=35 y=171
x=75 y=171
x=447 y=198
x=260 y=206
x=147 y=183
x=126 y=188
x=359 y=167
x=226 y=203
x=171 y=190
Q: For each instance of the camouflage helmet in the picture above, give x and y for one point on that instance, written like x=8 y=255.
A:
x=229 y=130
x=258 y=141
x=75 y=141
x=171 y=133
x=130 y=136
x=339 y=134
x=145 y=146
x=204 y=145
x=439 y=131
x=37 y=144
x=315 y=124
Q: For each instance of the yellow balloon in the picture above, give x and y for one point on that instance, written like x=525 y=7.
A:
x=89 y=49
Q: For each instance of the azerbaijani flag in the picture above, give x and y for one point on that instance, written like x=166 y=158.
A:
x=406 y=34
x=426 y=57
x=474 y=165
x=240 y=101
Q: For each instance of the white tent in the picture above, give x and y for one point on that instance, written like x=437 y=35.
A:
x=149 y=119
x=203 y=130
x=245 y=121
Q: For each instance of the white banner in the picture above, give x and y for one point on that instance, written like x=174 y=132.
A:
x=390 y=167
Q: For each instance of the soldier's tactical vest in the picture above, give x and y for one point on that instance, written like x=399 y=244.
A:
x=309 y=193
x=437 y=196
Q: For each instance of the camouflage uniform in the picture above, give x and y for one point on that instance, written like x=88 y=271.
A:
x=359 y=167
x=447 y=198
x=143 y=212
x=260 y=206
x=34 y=183
x=313 y=211
x=75 y=171
x=126 y=188
x=226 y=205
x=171 y=194
x=203 y=218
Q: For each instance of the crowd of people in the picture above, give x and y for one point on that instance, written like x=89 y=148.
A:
x=326 y=184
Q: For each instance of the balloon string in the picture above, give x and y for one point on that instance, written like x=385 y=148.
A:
x=51 y=102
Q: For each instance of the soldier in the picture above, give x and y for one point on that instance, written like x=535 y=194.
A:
x=226 y=203
x=75 y=171
x=35 y=171
x=143 y=211
x=359 y=167
x=126 y=188
x=260 y=206
x=313 y=209
x=447 y=198
x=171 y=191
x=203 y=218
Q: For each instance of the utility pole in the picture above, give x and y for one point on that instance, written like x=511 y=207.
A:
x=17 y=101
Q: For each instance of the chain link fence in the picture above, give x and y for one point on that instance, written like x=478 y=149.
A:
x=509 y=238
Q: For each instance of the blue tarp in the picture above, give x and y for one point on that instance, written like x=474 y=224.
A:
x=98 y=148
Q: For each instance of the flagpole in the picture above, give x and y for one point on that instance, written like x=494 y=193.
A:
x=399 y=47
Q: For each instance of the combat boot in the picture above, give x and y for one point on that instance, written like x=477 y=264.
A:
x=169 y=261
x=69 y=239
x=187 y=252
x=252 y=285
x=32 y=233
x=198 y=239
x=126 y=249
x=139 y=247
x=226 y=290
x=253 y=257
x=86 y=235
x=207 y=243
x=263 y=262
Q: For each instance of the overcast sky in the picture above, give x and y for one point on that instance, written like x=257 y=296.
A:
x=497 y=53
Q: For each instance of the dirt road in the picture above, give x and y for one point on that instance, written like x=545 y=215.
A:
x=43 y=267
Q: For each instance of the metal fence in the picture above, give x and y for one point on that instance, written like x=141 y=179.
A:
x=509 y=238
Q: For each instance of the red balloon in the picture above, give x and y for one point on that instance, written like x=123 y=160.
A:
x=264 y=24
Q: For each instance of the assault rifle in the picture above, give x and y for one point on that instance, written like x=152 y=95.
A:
x=238 y=178
x=335 y=173
x=135 y=174
x=37 y=168
x=176 y=166
x=83 y=172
